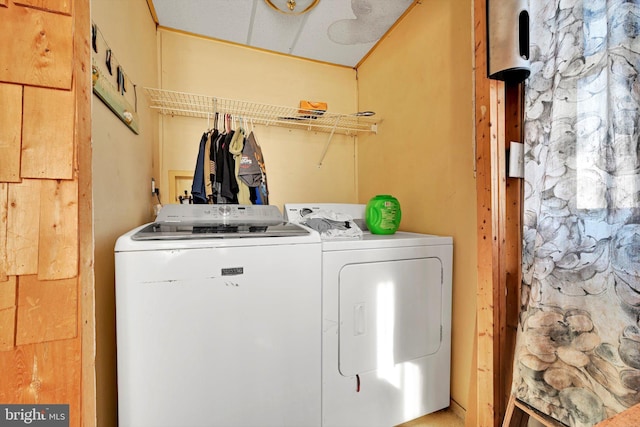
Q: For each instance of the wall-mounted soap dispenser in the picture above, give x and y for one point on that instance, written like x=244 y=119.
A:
x=508 y=35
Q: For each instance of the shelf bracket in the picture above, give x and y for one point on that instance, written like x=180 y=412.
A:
x=326 y=145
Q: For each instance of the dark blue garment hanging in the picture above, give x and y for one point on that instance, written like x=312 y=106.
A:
x=197 y=187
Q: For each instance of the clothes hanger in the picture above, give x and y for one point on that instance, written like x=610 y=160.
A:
x=227 y=123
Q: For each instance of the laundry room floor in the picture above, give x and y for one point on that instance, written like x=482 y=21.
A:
x=444 y=418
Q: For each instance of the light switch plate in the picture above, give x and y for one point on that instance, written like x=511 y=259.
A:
x=516 y=160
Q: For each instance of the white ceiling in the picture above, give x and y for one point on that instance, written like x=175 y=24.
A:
x=335 y=31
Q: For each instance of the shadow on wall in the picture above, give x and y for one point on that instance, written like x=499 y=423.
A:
x=373 y=19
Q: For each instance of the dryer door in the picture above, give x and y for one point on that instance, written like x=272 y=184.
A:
x=389 y=312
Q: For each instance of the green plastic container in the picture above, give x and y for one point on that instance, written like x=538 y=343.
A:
x=383 y=214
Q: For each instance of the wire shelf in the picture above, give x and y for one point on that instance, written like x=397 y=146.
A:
x=193 y=105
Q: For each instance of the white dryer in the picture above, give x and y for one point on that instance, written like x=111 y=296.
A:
x=386 y=334
x=218 y=320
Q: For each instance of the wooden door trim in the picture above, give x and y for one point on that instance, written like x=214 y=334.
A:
x=83 y=90
x=498 y=118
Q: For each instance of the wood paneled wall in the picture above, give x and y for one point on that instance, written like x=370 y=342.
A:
x=45 y=168
x=499 y=115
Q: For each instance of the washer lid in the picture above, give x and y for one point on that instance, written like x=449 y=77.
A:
x=178 y=222
x=168 y=231
x=200 y=226
x=292 y=235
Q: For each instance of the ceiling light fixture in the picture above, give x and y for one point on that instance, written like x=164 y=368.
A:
x=292 y=7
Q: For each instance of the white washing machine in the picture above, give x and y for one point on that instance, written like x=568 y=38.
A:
x=218 y=320
x=386 y=333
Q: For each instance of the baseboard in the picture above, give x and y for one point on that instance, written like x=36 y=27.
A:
x=457 y=409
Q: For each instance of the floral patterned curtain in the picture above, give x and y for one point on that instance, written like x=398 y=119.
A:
x=578 y=347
